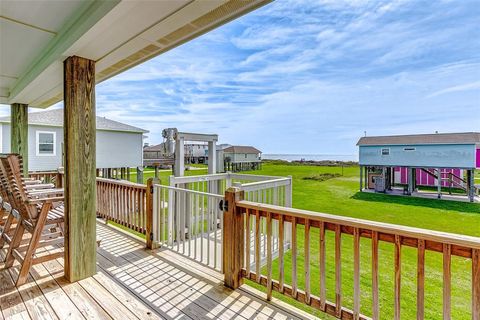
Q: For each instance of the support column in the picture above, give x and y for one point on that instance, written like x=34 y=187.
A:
x=410 y=180
x=19 y=132
x=156 y=172
x=179 y=157
x=439 y=183
x=471 y=184
x=361 y=178
x=80 y=182
x=212 y=157
x=140 y=175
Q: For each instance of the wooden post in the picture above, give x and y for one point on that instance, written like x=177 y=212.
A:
x=233 y=239
x=156 y=172
x=212 y=157
x=361 y=178
x=471 y=184
x=149 y=214
x=439 y=183
x=80 y=181
x=19 y=132
x=140 y=175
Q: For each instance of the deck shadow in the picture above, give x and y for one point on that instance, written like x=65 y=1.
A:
x=419 y=202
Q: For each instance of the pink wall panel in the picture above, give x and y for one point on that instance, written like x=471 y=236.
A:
x=478 y=158
x=425 y=179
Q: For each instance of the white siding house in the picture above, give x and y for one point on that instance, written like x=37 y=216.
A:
x=119 y=145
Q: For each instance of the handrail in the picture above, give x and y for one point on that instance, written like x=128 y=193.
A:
x=123 y=202
x=182 y=190
x=251 y=186
x=404 y=231
x=246 y=218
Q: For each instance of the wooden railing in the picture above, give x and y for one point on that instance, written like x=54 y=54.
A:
x=243 y=218
x=124 y=203
x=55 y=177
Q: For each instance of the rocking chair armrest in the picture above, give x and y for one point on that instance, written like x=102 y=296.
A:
x=45 y=200
x=40 y=186
x=31 y=182
x=46 y=192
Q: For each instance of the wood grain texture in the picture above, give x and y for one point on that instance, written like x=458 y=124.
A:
x=322 y=263
x=356 y=274
x=476 y=285
x=80 y=165
x=398 y=277
x=338 y=271
x=375 y=298
x=149 y=214
x=421 y=280
x=19 y=132
x=447 y=281
x=233 y=239
x=306 y=264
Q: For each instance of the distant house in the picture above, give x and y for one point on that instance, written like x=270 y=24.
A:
x=153 y=156
x=240 y=158
x=430 y=160
x=118 y=145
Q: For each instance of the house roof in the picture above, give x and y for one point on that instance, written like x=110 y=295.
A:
x=54 y=118
x=435 y=138
x=157 y=147
x=241 y=149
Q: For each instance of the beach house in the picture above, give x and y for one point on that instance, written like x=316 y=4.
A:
x=46 y=146
x=440 y=160
x=185 y=250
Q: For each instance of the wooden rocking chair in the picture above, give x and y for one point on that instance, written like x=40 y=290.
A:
x=37 y=213
x=9 y=215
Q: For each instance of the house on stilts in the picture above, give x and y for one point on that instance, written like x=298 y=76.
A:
x=417 y=164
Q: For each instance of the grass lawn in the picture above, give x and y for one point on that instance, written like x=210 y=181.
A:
x=340 y=196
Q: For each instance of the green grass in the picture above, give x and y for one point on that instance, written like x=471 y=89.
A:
x=340 y=196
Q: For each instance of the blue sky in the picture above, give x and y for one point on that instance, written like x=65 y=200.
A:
x=312 y=76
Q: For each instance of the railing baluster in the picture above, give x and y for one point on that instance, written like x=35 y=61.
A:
x=323 y=291
x=447 y=250
x=307 y=261
x=248 y=234
x=475 y=284
x=281 y=246
x=375 y=304
x=257 y=245
x=356 y=273
x=398 y=276
x=338 y=271
x=420 y=279
x=294 y=257
x=269 y=256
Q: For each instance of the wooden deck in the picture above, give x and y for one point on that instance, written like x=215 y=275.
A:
x=132 y=283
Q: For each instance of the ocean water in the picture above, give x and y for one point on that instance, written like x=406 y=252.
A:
x=312 y=157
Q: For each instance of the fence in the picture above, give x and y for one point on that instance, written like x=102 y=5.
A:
x=243 y=217
x=123 y=202
x=189 y=222
x=55 y=177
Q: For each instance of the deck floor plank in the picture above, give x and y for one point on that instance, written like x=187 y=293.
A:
x=89 y=308
x=133 y=283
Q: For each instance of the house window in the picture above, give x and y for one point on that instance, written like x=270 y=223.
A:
x=385 y=151
x=46 y=143
x=409 y=149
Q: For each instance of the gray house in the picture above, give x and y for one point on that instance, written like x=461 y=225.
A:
x=240 y=158
x=119 y=145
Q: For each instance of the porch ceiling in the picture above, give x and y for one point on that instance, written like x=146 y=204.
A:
x=37 y=36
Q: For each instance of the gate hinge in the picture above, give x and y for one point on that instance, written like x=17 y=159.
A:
x=151 y=236
x=223 y=205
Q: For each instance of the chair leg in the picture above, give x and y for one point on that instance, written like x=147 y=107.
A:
x=16 y=240
x=32 y=246
x=6 y=230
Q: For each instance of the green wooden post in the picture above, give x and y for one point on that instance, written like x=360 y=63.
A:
x=19 y=132
x=80 y=182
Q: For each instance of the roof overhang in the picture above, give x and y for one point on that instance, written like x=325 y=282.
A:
x=37 y=36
